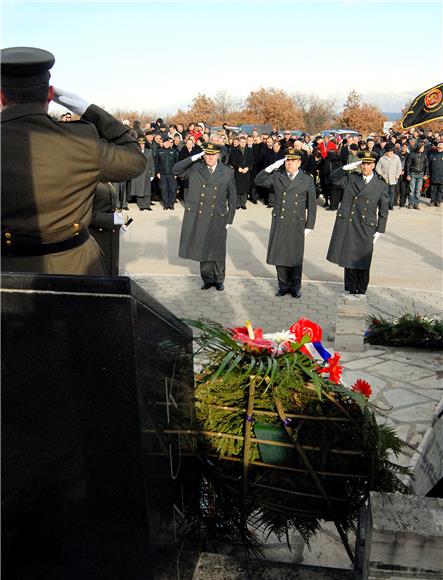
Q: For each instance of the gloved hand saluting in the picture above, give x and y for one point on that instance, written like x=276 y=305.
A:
x=274 y=165
x=197 y=156
x=307 y=231
x=351 y=166
x=71 y=101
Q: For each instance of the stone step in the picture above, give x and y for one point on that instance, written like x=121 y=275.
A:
x=221 y=567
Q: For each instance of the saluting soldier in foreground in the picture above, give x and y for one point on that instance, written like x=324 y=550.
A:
x=293 y=217
x=361 y=219
x=210 y=205
x=50 y=170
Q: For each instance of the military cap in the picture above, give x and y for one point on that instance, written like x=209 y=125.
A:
x=166 y=138
x=24 y=66
x=367 y=156
x=211 y=148
x=149 y=132
x=292 y=154
x=141 y=139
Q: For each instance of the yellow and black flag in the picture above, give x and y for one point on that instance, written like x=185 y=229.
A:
x=425 y=108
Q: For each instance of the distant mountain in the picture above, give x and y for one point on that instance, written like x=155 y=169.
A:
x=392 y=116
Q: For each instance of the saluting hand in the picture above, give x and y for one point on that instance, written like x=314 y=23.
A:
x=351 y=166
x=197 y=156
x=71 y=101
x=274 y=165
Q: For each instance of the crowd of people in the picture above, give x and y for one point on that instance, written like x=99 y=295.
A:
x=410 y=162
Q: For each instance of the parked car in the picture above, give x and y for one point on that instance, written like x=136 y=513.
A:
x=260 y=128
x=339 y=132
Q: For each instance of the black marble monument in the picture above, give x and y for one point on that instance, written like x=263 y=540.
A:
x=97 y=380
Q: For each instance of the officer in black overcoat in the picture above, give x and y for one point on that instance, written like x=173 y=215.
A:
x=361 y=219
x=105 y=225
x=293 y=217
x=210 y=205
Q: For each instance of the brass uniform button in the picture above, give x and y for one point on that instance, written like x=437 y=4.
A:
x=8 y=235
x=204 y=186
x=200 y=211
x=201 y=203
x=8 y=242
x=215 y=188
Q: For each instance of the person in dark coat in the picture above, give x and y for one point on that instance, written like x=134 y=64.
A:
x=165 y=159
x=329 y=165
x=209 y=210
x=105 y=225
x=188 y=150
x=141 y=185
x=293 y=217
x=242 y=161
x=436 y=175
x=361 y=219
x=50 y=169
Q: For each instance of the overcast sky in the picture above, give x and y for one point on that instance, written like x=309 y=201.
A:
x=156 y=56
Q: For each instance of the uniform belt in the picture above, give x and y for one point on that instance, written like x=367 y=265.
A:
x=18 y=249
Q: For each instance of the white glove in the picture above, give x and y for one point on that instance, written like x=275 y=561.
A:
x=376 y=236
x=275 y=165
x=197 y=156
x=351 y=166
x=228 y=226
x=71 y=101
x=152 y=178
x=119 y=218
x=307 y=231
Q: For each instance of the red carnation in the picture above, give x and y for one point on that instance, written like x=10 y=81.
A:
x=304 y=326
x=333 y=368
x=363 y=387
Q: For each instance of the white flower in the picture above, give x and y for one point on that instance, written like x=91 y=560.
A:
x=280 y=337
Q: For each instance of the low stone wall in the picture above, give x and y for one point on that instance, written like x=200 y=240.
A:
x=404 y=538
x=350 y=327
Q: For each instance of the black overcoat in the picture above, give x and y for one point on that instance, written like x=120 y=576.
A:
x=141 y=185
x=102 y=227
x=363 y=211
x=241 y=159
x=294 y=210
x=209 y=206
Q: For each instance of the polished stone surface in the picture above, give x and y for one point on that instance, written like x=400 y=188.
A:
x=94 y=372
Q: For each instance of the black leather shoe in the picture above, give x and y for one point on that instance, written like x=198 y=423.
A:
x=243 y=207
x=219 y=286
x=148 y=208
x=281 y=293
x=254 y=201
x=206 y=286
x=165 y=207
x=295 y=293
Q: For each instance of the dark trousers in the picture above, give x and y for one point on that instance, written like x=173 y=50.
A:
x=437 y=192
x=144 y=201
x=289 y=278
x=168 y=188
x=356 y=281
x=401 y=190
x=213 y=272
x=241 y=199
x=392 y=190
